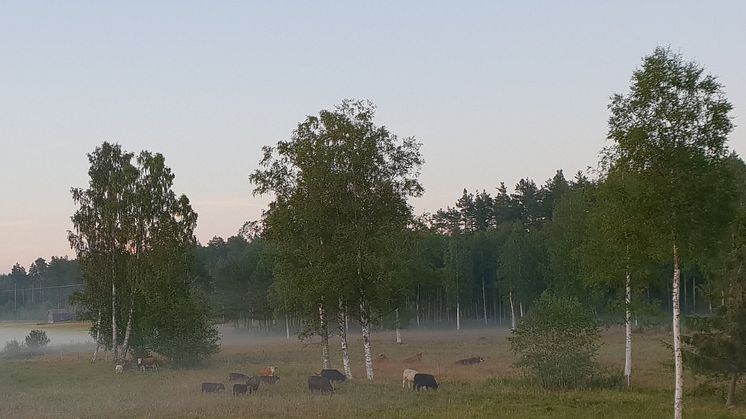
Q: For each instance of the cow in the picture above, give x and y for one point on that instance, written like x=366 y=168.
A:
x=119 y=369
x=212 y=387
x=267 y=371
x=147 y=362
x=237 y=376
x=319 y=383
x=253 y=383
x=416 y=359
x=332 y=375
x=240 y=389
x=425 y=381
x=269 y=379
x=407 y=377
x=475 y=360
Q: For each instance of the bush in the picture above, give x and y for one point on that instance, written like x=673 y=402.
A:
x=37 y=339
x=557 y=342
x=12 y=348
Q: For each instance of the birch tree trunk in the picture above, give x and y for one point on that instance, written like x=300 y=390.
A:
x=417 y=306
x=627 y=332
x=98 y=337
x=458 y=316
x=114 y=348
x=398 y=330
x=484 y=303
x=365 y=323
x=678 y=366
x=520 y=306
x=287 y=328
x=324 y=332
x=731 y=401
x=342 y=324
x=128 y=331
x=512 y=310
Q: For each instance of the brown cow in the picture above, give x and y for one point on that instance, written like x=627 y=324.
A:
x=147 y=362
x=267 y=372
x=414 y=359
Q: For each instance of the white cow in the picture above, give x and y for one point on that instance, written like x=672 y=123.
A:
x=119 y=369
x=407 y=378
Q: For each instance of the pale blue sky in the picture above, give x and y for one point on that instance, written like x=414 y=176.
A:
x=494 y=90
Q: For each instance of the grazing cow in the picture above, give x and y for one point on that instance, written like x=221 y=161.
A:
x=119 y=369
x=407 y=377
x=212 y=387
x=321 y=384
x=267 y=371
x=475 y=360
x=147 y=362
x=240 y=389
x=237 y=376
x=414 y=359
x=425 y=381
x=269 y=379
x=333 y=375
x=253 y=383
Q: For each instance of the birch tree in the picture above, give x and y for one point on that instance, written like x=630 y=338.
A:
x=341 y=185
x=670 y=129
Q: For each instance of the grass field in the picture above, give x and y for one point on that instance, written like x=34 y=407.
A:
x=67 y=385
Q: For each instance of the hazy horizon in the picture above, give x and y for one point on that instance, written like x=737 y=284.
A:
x=495 y=92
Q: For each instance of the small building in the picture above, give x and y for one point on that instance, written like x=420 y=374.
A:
x=58 y=315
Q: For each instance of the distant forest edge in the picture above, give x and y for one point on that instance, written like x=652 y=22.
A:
x=479 y=253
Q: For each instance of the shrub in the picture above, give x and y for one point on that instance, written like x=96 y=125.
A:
x=12 y=347
x=37 y=339
x=557 y=342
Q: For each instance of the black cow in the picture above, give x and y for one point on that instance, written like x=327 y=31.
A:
x=237 y=376
x=425 y=381
x=321 y=384
x=253 y=384
x=476 y=360
x=240 y=389
x=333 y=375
x=212 y=387
x=269 y=379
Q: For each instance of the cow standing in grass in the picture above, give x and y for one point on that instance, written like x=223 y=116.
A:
x=425 y=381
x=149 y=362
x=407 y=378
x=318 y=383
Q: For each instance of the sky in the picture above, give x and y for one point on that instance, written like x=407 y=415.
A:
x=495 y=91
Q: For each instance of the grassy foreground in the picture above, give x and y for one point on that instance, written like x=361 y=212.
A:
x=64 y=386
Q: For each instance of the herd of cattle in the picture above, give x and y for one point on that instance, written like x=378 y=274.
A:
x=247 y=384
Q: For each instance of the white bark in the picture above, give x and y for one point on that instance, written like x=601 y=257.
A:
x=627 y=332
x=398 y=331
x=341 y=317
x=678 y=366
x=324 y=332
x=458 y=316
x=98 y=337
x=512 y=310
x=114 y=348
x=287 y=328
x=484 y=303
x=365 y=323
x=417 y=306
x=520 y=306
x=127 y=332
